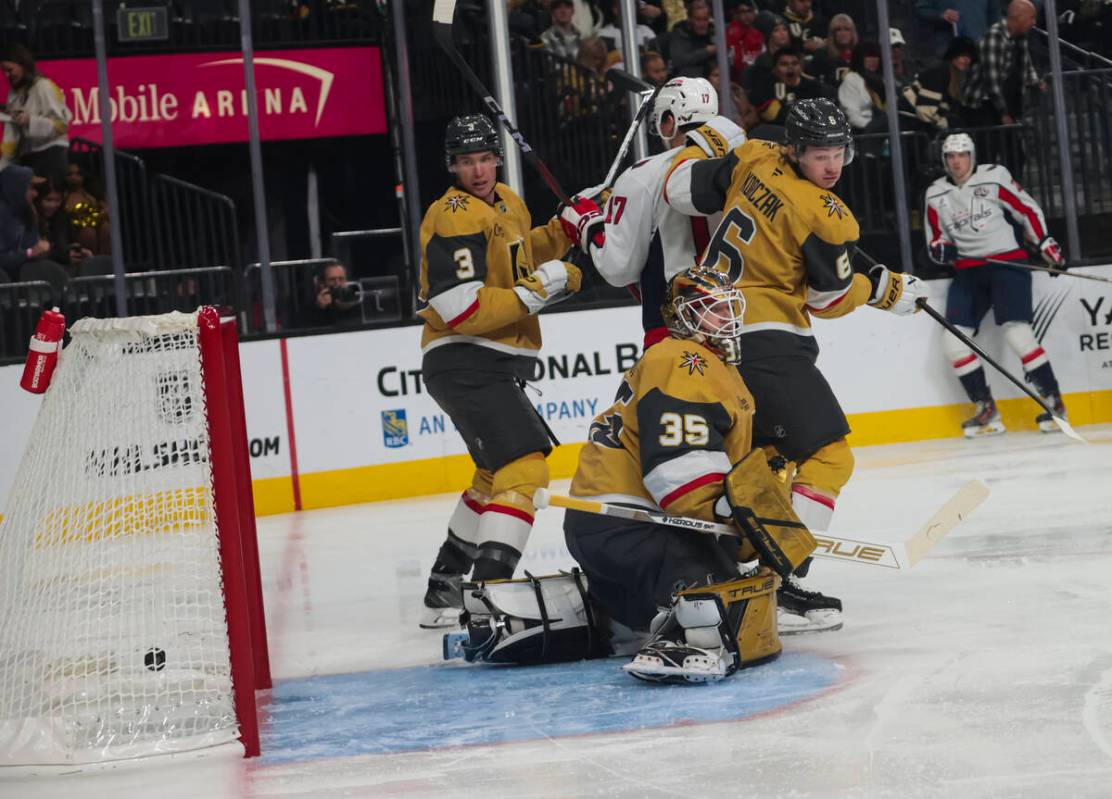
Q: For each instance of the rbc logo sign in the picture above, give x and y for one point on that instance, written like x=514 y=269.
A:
x=395 y=429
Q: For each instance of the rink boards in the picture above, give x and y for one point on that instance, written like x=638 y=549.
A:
x=345 y=418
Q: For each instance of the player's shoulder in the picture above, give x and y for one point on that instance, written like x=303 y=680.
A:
x=823 y=211
x=940 y=186
x=456 y=212
x=684 y=368
x=758 y=150
x=648 y=171
x=991 y=173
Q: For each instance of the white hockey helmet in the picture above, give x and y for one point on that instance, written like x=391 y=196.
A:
x=959 y=143
x=687 y=100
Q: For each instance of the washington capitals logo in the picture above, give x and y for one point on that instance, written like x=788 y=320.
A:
x=832 y=206
x=457 y=202
x=693 y=362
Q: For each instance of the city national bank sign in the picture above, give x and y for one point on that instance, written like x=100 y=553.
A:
x=199 y=98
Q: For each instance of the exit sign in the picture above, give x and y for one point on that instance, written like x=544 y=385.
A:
x=142 y=24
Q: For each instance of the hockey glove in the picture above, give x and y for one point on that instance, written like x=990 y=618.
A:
x=1052 y=253
x=895 y=291
x=717 y=136
x=549 y=283
x=943 y=252
x=583 y=224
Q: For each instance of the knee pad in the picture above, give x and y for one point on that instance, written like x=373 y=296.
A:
x=961 y=358
x=1021 y=338
x=739 y=615
x=760 y=507
x=535 y=620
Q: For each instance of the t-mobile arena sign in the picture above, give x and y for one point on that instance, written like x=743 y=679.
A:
x=199 y=98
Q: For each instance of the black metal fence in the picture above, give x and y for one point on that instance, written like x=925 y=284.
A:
x=192 y=226
x=63 y=28
x=132 y=180
x=21 y=305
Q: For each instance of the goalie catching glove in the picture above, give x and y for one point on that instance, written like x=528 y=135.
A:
x=895 y=291
x=583 y=223
x=549 y=283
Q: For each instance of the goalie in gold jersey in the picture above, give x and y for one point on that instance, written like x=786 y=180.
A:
x=485 y=273
x=678 y=439
x=787 y=239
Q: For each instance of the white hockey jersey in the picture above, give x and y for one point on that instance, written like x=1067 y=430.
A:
x=987 y=217
x=647 y=242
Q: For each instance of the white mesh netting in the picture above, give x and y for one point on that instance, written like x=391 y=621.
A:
x=113 y=641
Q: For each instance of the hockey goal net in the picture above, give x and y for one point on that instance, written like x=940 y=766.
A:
x=130 y=608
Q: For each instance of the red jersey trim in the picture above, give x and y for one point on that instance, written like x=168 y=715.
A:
x=690 y=486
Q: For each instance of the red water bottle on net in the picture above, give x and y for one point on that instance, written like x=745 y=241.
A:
x=42 y=355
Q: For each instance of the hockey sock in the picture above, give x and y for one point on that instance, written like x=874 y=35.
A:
x=508 y=518
x=975 y=384
x=1043 y=379
x=818 y=481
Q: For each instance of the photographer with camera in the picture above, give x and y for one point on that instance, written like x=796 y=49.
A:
x=337 y=301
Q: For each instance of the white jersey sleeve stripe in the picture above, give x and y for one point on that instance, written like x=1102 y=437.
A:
x=687 y=471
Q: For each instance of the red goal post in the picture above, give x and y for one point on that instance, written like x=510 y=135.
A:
x=131 y=615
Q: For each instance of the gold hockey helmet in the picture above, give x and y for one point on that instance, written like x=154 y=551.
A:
x=702 y=305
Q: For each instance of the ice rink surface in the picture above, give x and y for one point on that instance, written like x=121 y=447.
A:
x=985 y=671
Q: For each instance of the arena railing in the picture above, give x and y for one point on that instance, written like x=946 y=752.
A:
x=63 y=28
x=21 y=304
x=132 y=180
x=193 y=226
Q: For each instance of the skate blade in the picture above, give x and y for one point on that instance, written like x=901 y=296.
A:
x=816 y=622
x=672 y=675
x=439 y=618
x=985 y=431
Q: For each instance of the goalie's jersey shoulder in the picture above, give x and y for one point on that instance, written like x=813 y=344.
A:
x=687 y=372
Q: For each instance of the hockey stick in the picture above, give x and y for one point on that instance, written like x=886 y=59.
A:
x=1063 y=425
x=899 y=556
x=443 y=14
x=645 y=91
x=1049 y=269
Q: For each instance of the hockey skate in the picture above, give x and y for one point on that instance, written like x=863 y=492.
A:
x=801 y=611
x=671 y=661
x=443 y=603
x=1045 y=421
x=985 y=422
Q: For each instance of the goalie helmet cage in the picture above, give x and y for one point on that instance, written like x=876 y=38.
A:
x=131 y=619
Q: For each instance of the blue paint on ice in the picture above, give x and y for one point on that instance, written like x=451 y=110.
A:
x=450 y=705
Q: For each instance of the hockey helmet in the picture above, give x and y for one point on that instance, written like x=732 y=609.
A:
x=818 y=122
x=703 y=305
x=473 y=133
x=959 y=143
x=688 y=100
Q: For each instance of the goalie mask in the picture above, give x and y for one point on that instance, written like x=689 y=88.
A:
x=704 y=306
x=959 y=143
x=471 y=134
x=688 y=100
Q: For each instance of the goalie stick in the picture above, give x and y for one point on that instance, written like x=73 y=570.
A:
x=925 y=306
x=443 y=15
x=1049 y=269
x=892 y=556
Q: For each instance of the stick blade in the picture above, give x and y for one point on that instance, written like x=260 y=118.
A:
x=1067 y=428
x=945 y=519
x=444 y=12
x=627 y=82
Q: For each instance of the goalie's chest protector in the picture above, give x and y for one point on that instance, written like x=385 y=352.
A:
x=680 y=418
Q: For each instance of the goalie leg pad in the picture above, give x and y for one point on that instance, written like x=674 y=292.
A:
x=761 y=509
x=508 y=518
x=712 y=632
x=532 y=620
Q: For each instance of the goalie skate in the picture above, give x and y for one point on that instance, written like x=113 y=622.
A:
x=672 y=662
x=986 y=421
x=443 y=603
x=802 y=611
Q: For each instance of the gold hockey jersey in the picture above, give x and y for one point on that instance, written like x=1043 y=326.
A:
x=786 y=241
x=680 y=419
x=472 y=253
